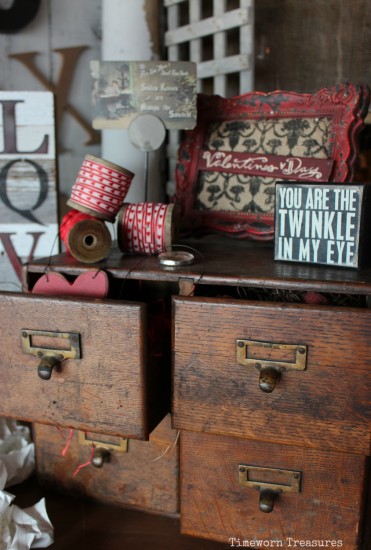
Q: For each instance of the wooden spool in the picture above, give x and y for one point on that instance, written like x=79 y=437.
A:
x=143 y=236
x=89 y=241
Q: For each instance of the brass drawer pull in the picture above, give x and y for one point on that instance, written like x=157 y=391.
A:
x=101 y=455
x=270 y=482
x=35 y=342
x=271 y=360
x=103 y=449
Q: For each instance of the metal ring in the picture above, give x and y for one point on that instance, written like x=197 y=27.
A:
x=176 y=258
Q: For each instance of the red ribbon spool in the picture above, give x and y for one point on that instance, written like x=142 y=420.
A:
x=100 y=188
x=145 y=228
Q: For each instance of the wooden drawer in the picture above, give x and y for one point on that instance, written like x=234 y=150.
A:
x=321 y=498
x=111 y=387
x=145 y=475
x=325 y=403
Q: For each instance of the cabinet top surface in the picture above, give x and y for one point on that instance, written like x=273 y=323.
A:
x=220 y=261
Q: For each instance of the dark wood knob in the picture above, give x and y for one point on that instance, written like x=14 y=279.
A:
x=268 y=379
x=266 y=501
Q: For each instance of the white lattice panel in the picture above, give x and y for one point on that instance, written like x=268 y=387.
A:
x=218 y=36
x=190 y=38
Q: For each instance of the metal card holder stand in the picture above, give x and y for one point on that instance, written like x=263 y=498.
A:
x=147 y=133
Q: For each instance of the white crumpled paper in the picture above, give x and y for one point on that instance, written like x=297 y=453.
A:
x=30 y=527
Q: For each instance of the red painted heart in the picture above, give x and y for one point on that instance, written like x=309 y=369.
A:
x=93 y=284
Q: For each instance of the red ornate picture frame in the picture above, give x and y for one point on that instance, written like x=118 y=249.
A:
x=228 y=165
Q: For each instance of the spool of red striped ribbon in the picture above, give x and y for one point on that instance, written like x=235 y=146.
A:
x=86 y=238
x=100 y=188
x=145 y=228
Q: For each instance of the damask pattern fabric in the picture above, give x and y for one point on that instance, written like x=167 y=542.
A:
x=297 y=137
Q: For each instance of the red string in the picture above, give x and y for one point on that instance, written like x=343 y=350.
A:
x=86 y=463
x=66 y=447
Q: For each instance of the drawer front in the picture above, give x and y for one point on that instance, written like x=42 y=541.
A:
x=144 y=474
x=227 y=483
x=319 y=393
x=102 y=388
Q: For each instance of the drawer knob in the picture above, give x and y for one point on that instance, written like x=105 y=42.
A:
x=101 y=455
x=266 y=501
x=271 y=359
x=46 y=366
x=268 y=379
x=51 y=347
x=270 y=482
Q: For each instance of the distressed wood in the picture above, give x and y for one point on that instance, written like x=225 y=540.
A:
x=223 y=261
x=247 y=36
x=220 y=48
x=28 y=177
x=327 y=405
x=228 y=20
x=169 y=3
x=57 y=28
x=115 y=388
x=145 y=477
x=223 y=66
x=214 y=505
x=314 y=412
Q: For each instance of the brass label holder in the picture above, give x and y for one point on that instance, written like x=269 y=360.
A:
x=270 y=482
x=120 y=447
x=35 y=342
x=271 y=359
x=103 y=449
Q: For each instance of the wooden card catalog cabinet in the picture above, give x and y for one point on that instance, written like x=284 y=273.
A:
x=323 y=224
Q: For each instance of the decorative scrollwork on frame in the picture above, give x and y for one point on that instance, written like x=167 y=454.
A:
x=229 y=163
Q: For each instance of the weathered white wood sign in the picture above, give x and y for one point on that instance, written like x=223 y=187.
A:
x=28 y=181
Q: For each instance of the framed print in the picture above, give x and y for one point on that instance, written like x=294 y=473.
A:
x=229 y=164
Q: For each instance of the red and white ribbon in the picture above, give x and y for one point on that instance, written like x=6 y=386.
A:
x=100 y=188
x=145 y=228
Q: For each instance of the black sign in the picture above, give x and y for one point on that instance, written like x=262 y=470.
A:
x=322 y=224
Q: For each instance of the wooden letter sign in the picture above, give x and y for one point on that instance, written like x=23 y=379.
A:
x=326 y=224
x=28 y=181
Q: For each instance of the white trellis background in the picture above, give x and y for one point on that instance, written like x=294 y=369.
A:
x=218 y=35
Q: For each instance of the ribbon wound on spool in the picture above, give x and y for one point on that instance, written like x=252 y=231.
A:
x=100 y=188
x=145 y=228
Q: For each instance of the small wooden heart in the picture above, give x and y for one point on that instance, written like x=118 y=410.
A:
x=93 y=284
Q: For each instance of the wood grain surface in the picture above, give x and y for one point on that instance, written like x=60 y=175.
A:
x=214 y=505
x=145 y=477
x=105 y=391
x=327 y=405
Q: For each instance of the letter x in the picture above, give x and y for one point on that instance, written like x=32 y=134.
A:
x=61 y=89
